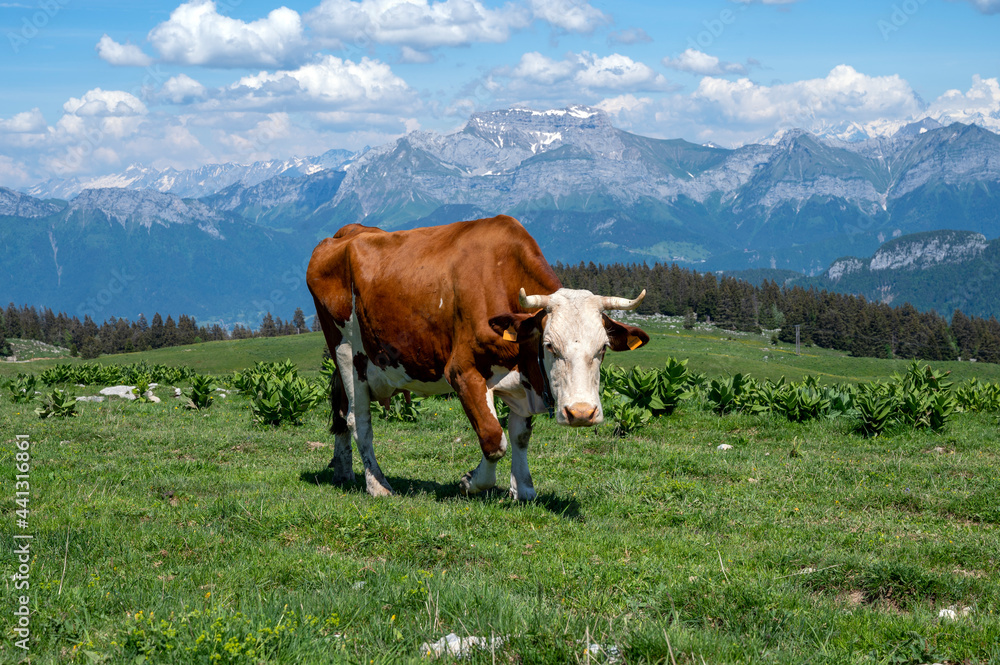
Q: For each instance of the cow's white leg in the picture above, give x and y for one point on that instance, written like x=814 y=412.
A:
x=342 y=462
x=359 y=422
x=484 y=476
x=519 y=428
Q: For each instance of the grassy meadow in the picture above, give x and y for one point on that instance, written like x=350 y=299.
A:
x=163 y=535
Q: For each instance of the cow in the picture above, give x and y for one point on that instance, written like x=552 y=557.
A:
x=447 y=308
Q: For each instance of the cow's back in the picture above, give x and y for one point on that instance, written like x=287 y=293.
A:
x=419 y=293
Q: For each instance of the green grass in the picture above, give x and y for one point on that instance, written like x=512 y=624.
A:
x=207 y=357
x=802 y=543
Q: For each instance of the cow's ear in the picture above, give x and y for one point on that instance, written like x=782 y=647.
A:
x=518 y=327
x=624 y=337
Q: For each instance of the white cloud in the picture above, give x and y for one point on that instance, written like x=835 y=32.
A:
x=196 y=34
x=181 y=89
x=122 y=55
x=26 y=122
x=981 y=101
x=986 y=6
x=583 y=73
x=843 y=94
x=105 y=103
x=412 y=55
x=569 y=15
x=419 y=24
x=628 y=36
x=697 y=62
x=330 y=84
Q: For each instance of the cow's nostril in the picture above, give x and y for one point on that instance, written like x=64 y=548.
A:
x=580 y=414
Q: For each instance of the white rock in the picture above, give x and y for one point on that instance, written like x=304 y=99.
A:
x=453 y=645
x=724 y=446
x=90 y=398
x=948 y=613
x=119 y=391
x=177 y=392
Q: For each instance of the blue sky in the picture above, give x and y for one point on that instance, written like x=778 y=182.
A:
x=91 y=87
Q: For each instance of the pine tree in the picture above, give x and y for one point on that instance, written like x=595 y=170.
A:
x=267 y=327
x=299 y=320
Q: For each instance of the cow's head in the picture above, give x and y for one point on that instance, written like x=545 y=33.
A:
x=572 y=333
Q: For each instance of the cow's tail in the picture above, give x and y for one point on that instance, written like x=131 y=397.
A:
x=338 y=404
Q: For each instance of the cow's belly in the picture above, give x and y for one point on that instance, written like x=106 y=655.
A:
x=385 y=382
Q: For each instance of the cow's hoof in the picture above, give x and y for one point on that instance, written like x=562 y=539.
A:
x=468 y=485
x=523 y=494
x=376 y=487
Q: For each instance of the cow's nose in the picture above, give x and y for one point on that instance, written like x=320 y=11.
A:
x=580 y=414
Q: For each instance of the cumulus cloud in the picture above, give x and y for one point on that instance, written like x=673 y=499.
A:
x=197 y=34
x=697 y=62
x=419 y=24
x=27 y=122
x=982 y=100
x=628 y=36
x=584 y=73
x=843 y=94
x=105 y=103
x=569 y=15
x=330 y=84
x=181 y=89
x=122 y=55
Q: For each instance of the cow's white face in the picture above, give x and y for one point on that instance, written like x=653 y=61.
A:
x=573 y=343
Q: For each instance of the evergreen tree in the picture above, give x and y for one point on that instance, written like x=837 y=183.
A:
x=299 y=320
x=267 y=327
x=156 y=335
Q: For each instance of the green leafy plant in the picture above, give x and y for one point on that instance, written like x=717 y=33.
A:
x=57 y=403
x=284 y=398
x=21 y=389
x=142 y=389
x=875 y=412
x=405 y=410
x=628 y=417
x=201 y=395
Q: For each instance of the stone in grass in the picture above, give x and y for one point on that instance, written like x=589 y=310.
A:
x=460 y=647
x=952 y=613
x=126 y=392
x=723 y=446
x=90 y=398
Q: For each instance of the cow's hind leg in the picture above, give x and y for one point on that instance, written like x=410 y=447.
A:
x=342 y=462
x=359 y=420
x=519 y=428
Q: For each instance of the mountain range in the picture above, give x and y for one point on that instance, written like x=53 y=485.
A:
x=228 y=242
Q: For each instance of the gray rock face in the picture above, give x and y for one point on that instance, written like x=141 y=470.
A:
x=16 y=204
x=193 y=183
x=147 y=207
x=926 y=250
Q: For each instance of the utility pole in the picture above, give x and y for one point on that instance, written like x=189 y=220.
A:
x=797 y=340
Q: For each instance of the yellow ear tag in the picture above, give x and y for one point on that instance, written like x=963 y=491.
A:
x=634 y=342
x=510 y=334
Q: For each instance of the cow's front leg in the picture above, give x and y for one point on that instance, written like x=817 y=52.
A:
x=477 y=401
x=519 y=428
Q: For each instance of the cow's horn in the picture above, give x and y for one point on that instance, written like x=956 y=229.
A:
x=611 y=302
x=532 y=302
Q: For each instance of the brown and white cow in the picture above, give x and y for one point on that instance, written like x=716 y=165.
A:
x=442 y=309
